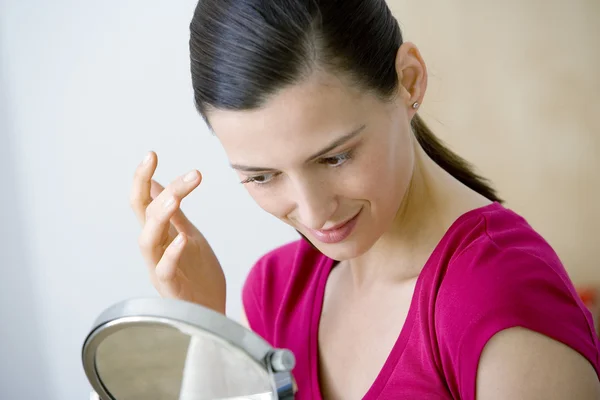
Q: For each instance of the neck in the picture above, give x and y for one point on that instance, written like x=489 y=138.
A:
x=432 y=203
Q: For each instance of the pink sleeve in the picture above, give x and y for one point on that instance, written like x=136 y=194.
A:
x=488 y=289
x=264 y=289
x=252 y=299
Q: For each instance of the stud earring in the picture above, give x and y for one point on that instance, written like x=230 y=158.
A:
x=415 y=105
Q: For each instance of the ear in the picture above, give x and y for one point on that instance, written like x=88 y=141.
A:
x=412 y=76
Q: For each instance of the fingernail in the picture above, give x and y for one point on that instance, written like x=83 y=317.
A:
x=178 y=240
x=147 y=158
x=190 y=176
x=168 y=202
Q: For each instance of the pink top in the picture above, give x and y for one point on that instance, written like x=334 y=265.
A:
x=490 y=271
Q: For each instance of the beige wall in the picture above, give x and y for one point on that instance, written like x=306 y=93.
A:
x=514 y=87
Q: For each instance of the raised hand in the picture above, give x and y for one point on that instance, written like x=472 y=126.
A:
x=180 y=261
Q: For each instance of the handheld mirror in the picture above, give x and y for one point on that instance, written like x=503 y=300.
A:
x=163 y=349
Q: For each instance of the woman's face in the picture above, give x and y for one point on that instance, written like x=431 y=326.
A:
x=332 y=161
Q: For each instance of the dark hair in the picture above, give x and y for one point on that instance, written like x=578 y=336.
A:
x=243 y=51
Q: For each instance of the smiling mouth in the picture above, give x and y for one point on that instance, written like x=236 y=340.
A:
x=340 y=225
x=337 y=233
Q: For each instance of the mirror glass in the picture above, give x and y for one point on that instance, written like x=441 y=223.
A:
x=146 y=361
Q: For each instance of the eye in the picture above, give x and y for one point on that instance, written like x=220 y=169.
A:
x=336 y=161
x=260 y=179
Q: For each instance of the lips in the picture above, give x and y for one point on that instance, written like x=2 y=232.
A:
x=338 y=233
x=338 y=226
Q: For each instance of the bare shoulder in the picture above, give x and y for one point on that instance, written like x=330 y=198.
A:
x=518 y=363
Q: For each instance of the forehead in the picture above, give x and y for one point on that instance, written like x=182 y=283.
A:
x=293 y=124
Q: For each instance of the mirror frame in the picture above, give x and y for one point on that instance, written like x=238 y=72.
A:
x=188 y=318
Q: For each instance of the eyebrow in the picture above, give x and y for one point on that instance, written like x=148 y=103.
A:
x=336 y=143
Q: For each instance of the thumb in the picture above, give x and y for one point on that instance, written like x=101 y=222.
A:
x=179 y=220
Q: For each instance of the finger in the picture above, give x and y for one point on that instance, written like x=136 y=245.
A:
x=166 y=268
x=140 y=191
x=176 y=191
x=179 y=220
x=155 y=189
x=155 y=233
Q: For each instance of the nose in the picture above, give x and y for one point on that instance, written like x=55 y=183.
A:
x=315 y=204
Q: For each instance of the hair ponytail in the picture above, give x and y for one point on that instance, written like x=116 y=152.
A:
x=452 y=163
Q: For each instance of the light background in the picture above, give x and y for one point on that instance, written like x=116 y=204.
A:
x=87 y=87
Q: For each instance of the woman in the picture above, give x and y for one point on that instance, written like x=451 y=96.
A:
x=411 y=281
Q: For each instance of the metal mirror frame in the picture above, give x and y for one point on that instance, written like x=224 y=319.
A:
x=187 y=318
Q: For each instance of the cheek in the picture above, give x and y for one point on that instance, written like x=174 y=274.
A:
x=271 y=201
x=396 y=165
x=381 y=177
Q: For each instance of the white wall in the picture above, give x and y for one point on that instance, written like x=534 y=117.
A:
x=86 y=88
